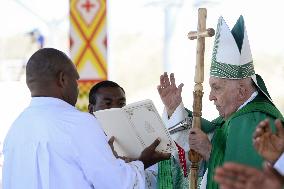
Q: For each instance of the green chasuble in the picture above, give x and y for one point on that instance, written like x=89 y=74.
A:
x=232 y=139
x=170 y=175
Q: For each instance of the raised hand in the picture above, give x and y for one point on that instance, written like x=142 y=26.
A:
x=170 y=94
x=237 y=176
x=199 y=142
x=269 y=145
x=149 y=156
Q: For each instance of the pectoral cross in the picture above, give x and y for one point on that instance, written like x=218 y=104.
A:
x=200 y=35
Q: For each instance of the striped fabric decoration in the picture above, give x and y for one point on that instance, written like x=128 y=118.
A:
x=88 y=44
x=229 y=71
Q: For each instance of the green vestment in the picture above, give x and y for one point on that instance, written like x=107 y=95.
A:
x=232 y=139
x=170 y=175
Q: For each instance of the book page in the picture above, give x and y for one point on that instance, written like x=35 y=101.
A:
x=115 y=123
x=148 y=125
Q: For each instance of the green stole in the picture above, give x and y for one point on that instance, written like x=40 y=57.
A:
x=165 y=180
x=221 y=133
x=171 y=176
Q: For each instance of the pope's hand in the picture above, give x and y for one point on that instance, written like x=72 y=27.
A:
x=169 y=93
x=199 y=142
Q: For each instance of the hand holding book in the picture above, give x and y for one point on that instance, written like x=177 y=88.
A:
x=135 y=127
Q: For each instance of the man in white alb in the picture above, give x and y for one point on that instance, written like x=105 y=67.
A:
x=52 y=145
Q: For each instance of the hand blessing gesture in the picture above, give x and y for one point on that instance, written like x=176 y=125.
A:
x=170 y=94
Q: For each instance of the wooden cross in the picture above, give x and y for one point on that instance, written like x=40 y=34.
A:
x=200 y=35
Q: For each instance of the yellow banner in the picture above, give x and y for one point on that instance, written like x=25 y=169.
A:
x=88 y=44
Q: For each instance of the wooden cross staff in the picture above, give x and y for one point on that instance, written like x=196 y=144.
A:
x=200 y=35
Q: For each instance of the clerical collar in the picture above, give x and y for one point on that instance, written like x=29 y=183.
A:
x=249 y=100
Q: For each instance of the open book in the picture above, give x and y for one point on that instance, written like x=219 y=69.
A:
x=135 y=127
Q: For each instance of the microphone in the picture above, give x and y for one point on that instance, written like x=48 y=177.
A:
x=183 y=125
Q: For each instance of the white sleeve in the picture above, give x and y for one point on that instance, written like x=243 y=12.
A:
x=151 y=177
x=279 y=165
x=97 y=162
x=181 y=137
x=179 y=115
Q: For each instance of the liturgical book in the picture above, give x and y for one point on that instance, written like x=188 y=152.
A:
x=135 y=127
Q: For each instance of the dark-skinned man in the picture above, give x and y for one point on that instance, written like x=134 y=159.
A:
x=108 y=94
x=53 y=145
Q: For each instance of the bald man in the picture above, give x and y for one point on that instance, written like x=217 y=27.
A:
x=53 y=145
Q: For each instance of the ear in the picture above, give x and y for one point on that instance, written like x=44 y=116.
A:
x=242 y=90
x=61 y=79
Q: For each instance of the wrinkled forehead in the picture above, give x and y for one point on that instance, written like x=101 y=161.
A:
x=223 y=82
x=217 y=81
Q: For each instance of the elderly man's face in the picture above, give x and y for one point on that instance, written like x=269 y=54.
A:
x=224 y=93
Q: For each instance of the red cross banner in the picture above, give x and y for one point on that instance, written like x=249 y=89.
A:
x=88 y=44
